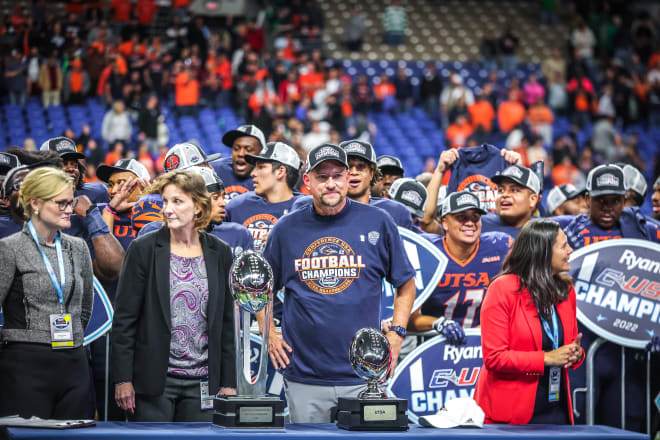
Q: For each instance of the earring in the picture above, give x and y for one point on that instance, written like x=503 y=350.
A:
x=36 y=213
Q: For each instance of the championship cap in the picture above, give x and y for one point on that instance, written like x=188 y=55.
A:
x=7 y=162
x=360 y=149
x=521 y=175
x=104 y=172
x=325 y=152
x=62 y=146
x=560 y=194
x=411 y=194
x=244 y=130
x=461 y=412
x=460 y=201
x=391 y=163
x=605 y=180
x=634 y=180
x=656 y=184
x=186 y=154
x=276 y=152
x=212 y=181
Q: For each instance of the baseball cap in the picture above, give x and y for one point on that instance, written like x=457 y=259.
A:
x=460 y=201
x=62 y=146
x=461 y=412
x=323 y=152
x=604 y=180
x=560 y=194
x=389 y=162
x=186 y=154
x=521 y=175
x=276 y=151
x=212 y=181
x=7 y=162
x=634 y=180
x=656 y=184
x=244 y=130
x=360 y=149
x=104 y=172
x=411 y=194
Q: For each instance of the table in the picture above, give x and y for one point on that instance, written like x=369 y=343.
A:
x=320 y=431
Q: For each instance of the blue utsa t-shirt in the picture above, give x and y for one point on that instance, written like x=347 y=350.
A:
x=122 y=227
x=397 y=211
x=472 y=172
x=331 y=268
x=96 y=191
x=8 y=226
x=461 y=289
x=234 y=185
x=236 y=236
x=582 y=232
x=491 y=222
x=256 y=214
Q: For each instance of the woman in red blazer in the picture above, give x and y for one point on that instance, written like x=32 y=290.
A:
x=529 y=332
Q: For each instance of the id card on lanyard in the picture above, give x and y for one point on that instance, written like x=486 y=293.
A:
x=61 y=326
x=555 y=372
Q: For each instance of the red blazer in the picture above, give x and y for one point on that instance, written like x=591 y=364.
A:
x=511 y=341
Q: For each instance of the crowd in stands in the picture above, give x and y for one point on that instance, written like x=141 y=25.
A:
x=139 y=55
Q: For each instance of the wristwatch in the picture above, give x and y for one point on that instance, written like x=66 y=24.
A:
x=398 y=330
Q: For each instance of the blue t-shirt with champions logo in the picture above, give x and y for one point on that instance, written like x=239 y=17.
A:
x=331 y=268
x=234 y=185
x=460 y=292
x=256 y=214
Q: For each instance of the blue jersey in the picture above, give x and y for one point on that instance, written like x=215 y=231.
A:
x=148 y=209
x=397 y=211
x=491 y=222
x=331 y=268
x=122 y=228
x=461 y=289
x=234 y=185
x=582 y=232
x=8 y=226
x=96 y=191
x=256 y=214
x=472 y=172
x=236 y=236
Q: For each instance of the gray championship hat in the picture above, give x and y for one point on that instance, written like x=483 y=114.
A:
x=62 y=146
x=521 y=175
x=606 y=180
x=560 y=194
x=276 y=152
x=186 y=154
x=7 y=162
x=244 y=130
x=460 y=201
x=634 y=180
x=360 y=149
x=389 y=163
x=324 y=152
x=656 y=184
x=212 y=181
x=104 y=172
x=411 y=194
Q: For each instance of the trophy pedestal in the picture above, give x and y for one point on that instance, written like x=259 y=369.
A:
x=248 y=412
x=357 y=414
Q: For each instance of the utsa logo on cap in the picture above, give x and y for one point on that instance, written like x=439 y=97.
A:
x=464 y=199
x=360 y=149
x=325 y=152
x=354 y=147
x=186 y=154
x=412 y=197
x=606 y=180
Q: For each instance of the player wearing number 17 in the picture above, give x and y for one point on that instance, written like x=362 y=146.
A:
x=473 y=260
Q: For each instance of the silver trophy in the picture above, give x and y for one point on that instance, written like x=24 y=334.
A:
x=251 y=285
x=370 y=356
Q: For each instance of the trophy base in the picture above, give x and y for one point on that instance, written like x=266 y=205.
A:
x=248 y=412
x=372 y=414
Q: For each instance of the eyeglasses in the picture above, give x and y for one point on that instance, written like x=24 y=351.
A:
x=64 y=204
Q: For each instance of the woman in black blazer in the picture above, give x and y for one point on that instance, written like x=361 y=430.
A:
x=172 y=332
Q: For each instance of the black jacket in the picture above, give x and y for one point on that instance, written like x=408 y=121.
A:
x=141 y=328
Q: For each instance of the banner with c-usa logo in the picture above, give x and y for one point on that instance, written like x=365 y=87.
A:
x=429 y=264
x=436 y=372
x=275 y=380
x=617 y=284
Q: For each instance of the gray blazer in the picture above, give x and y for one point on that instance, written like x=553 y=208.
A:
x=27 y=294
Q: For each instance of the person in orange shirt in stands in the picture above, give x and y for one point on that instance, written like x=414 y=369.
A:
x=186 y=91
x=384 y=93
x=122 y=10
x=311 y=81
x=459 y=132
x=482 y=114
x=145 y=10
x=116 y=152
x=510 y=113
x=541 y=118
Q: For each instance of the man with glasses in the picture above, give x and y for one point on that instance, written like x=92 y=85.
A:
x=330 y=256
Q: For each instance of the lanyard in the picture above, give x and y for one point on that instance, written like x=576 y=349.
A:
x=59 y=286
x=554 y=335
